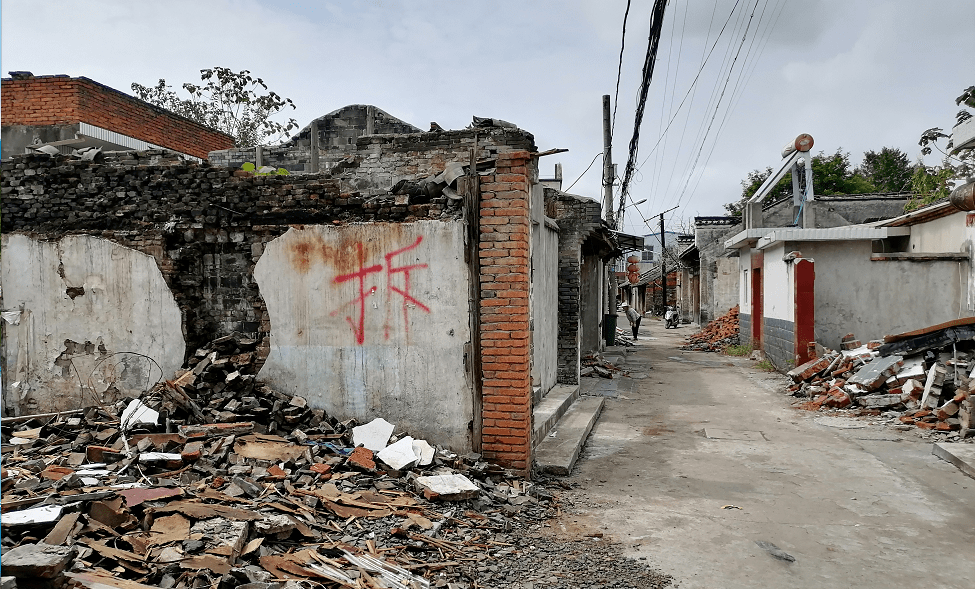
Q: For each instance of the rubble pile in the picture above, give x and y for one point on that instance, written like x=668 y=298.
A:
x=215 y=480
x=923 y=379
x=595 y=365
x=624 y=337
x=716 y=335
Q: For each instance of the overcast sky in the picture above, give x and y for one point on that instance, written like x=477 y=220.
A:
x=855 y=74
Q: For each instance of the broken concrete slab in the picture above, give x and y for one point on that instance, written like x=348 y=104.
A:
x=881 y=401
x=273 y=524
x=32 y=561
x=932 y=386
x=873 y=375
x=373 y=435
x=219 y=532
x=449 y=487
x=961 y=455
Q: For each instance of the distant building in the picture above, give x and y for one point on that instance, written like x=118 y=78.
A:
x=72 y=113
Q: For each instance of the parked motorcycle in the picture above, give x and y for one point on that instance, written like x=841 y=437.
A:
x=670 y=318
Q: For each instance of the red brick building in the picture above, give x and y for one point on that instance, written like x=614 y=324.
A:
x=71 y=113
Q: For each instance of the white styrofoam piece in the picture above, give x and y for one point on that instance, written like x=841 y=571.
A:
x=425 y=451
x=373 y=435
x=137 y=412
x=447 y=484
x=159 y=456
x=400 y=454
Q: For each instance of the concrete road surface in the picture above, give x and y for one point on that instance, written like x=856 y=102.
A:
x=854 y=506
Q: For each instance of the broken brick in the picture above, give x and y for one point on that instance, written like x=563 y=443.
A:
x=363 y=458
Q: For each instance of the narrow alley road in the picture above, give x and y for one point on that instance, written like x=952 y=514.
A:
x=868 y=507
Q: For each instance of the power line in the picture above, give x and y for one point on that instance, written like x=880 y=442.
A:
x=584 y=171
x=658 y=163
x=693 y=92
x=619 y=71
x=693 y=84
x=717 y=106
x=732 y=102
x=736 y=99
x=656 y=26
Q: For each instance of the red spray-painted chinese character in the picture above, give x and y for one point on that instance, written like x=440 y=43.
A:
x=405 y=291
x=358 y=324
x=359 y=327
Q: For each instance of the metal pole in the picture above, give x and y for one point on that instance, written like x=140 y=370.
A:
x=608 y=175
x=663 y=261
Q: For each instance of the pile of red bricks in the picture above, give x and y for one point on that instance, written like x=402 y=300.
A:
x=916 y=387
x=717 y=335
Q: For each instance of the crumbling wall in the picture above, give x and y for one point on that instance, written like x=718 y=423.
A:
x=373 y=319
x=207 y=227
x=83 y=305
x=576 y=216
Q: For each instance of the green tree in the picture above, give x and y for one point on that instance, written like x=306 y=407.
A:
x=890 y=169
x=932 y=183
x=233 y=102
x=832 y=174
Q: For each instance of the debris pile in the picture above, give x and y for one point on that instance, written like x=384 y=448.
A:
x=595 y=365
x=624 y=336
x=923 y=378
x=716 y=335
x=214 y=479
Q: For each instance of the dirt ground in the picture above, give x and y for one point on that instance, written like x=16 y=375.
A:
x=779 y=498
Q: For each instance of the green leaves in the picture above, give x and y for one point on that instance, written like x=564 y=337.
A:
x=232 y=102
x=264 y=170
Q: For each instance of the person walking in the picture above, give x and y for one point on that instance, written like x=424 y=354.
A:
x=633 y=317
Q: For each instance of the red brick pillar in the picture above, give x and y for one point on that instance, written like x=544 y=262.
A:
x=504 y=257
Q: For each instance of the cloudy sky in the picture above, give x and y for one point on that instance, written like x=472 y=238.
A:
x=856 y=74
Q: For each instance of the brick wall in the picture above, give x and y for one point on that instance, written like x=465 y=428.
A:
x=577 y=217
x=745 y=328
x=54 y=100
x=779 y=341
x=504 y=252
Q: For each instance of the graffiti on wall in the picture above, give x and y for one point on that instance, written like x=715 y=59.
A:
x=397 y=281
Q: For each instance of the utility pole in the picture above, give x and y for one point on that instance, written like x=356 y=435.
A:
x=608 y=174
x=663 y=261
x=608 y=179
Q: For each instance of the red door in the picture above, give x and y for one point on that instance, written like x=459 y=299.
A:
x=805 y=315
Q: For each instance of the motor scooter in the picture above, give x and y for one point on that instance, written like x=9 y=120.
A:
x=670 y=318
